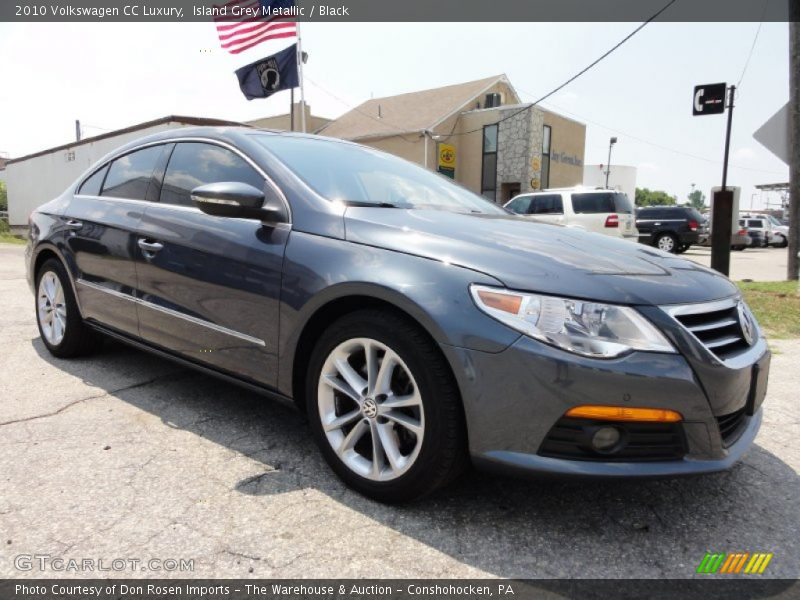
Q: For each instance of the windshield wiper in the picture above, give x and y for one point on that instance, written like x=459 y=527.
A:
x=361 y=203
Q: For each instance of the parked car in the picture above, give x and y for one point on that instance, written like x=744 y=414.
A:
x=758 y=233
x=603 y=211
x=739 y=240
x=671 y=228
x=777 y=232
x=762 y=224
x=418 y=325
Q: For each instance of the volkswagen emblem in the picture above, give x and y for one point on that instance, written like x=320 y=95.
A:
x=370 y=409
x=747 y=323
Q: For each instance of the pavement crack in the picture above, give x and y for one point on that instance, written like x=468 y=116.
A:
x=86 y=399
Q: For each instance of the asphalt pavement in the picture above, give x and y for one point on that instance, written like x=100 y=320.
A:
x=127 y=456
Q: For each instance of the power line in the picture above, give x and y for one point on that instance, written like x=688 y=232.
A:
x=579 y=73
x=400 y=133
x=650 y=143
x=755 y=39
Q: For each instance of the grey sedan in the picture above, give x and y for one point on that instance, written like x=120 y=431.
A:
x=420 y=327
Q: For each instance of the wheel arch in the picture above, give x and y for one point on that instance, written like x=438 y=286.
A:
x=346 y=302
x=44 y=252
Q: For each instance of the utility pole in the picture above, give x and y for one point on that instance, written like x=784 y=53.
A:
x=611 y=143
x=794 y=140
x=77 y=130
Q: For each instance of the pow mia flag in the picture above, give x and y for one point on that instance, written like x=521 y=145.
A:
x=272 y=74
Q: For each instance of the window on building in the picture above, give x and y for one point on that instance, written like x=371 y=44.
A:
x=193 y=164
x=545 y=178
x=91 y=186
x=489 y=164
x=129 y=176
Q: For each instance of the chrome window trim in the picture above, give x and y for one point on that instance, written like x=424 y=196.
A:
x=173 y=313
x=222 y=144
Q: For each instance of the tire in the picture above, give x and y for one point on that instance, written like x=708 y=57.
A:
x=667 y=242
x=60 y=325
x=738 y=248
x=783 y=243
x=426 y=436
x=682 y=248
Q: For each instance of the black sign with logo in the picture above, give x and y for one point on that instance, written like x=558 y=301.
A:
x=709 y=99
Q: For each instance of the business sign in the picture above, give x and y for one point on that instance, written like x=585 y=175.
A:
x=447 y=160
x=709 y=99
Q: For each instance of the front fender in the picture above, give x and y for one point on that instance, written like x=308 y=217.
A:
x=320 y=270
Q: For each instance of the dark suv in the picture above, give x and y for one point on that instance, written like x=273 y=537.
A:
x=670 y=228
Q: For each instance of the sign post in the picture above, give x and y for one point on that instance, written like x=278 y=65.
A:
x=709 y=99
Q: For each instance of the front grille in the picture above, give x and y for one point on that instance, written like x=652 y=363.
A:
x=640 y=442
x=718 y=329
x=731 y=426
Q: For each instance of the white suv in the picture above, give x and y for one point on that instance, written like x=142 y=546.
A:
x=777 y=234
x=599 y=210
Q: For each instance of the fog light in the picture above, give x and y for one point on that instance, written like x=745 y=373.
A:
x=605 y=439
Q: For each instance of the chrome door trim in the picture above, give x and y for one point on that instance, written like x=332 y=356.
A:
x=174 y=313
x=226 y=145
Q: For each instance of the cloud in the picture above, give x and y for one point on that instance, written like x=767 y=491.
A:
x=648 y=166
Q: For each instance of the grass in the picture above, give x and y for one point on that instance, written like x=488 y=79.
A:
x=6 y=237
x=776 y=305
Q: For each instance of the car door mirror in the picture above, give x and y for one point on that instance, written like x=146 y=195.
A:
x=239 y=200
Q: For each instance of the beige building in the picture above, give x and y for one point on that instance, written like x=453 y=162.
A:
x=285 y=122
x=478 y=132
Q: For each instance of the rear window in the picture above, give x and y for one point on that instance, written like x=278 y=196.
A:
x=91 y=186
x=755 y=223
x=601 y=202
x=129 y=176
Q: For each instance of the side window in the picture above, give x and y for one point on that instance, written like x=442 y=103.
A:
x=549 y=204
x=519 y=205
x=129 y=176
x=91 y=185
x=195 y=163
x=595 y=203
x=755 y=223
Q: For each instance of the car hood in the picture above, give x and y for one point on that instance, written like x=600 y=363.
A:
x=528 y=255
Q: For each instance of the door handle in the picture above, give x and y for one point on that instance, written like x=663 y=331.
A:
x=73 y=224
x=148 y=246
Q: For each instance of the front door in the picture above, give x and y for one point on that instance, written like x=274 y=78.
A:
x=209 y=287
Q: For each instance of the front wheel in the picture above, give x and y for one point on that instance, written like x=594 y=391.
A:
x=782 y=242
x=60 y=325
x=384 y=407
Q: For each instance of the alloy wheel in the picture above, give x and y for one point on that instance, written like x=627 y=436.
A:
x=666 y=243
x=52 y=310
x=371 y=409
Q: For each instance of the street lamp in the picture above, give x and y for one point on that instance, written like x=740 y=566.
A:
x=608 y=166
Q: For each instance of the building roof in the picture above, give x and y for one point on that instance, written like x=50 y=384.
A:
x=200 y=121
x=410 y=113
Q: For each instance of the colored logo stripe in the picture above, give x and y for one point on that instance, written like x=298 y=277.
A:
x=734 y=563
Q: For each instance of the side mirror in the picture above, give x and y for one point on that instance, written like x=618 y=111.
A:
x=238 y=200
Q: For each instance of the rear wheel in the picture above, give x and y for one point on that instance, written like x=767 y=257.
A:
x=60 y=325
x=682 y=248
x=667 y=242
x=384 y=408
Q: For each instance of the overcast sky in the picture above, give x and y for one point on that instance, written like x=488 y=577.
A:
x=111 y=75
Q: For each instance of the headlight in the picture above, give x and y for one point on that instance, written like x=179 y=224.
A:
x=585 y=328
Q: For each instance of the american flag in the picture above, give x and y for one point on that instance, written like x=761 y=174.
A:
x=250 y=26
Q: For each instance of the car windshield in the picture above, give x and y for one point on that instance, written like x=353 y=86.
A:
x=774 y=221
x=363 y=176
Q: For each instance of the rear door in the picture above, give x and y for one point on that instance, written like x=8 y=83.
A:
x=103 y=219
x=210 y=285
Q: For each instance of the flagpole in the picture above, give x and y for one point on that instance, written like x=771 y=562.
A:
x=300 y=74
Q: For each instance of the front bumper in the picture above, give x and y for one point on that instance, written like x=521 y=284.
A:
x=512 y=400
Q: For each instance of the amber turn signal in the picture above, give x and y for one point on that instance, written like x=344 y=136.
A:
x=504 y=302
x=624 y=413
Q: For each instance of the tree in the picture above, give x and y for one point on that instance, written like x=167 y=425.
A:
x=3 y=196
x=697 y=199
x=646 y=197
